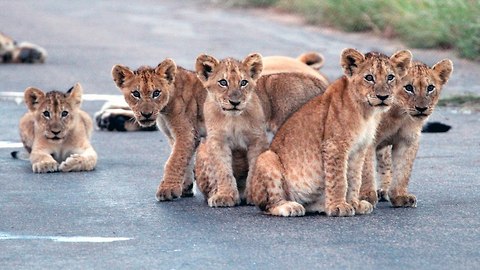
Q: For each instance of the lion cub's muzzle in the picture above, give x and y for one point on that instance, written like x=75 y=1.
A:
x=53 y=135
x=381 y=100
x=420 y=112
x=146 y=119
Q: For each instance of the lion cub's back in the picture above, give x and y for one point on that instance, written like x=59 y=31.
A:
x=284 y=93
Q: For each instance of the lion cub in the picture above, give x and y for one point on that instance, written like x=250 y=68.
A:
x=240 y=107
x=397 y=138
x=56 y=132
x=315 y=159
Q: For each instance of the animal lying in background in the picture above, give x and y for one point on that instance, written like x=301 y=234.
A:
x=117 y=115
x=12 y=51
x=55 y=131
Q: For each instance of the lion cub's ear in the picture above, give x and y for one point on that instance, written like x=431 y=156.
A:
x=33 y=97
x=204 y=66
x=254 y=64
x=75 y=94
x=402 y=61
x=167 y=70
x=350 y=60
x=120 y=74
x=443 y=70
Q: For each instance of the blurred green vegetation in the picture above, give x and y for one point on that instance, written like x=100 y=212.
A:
x=420 y=23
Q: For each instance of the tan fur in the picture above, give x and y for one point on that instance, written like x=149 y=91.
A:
x=179 y=112
x=24 y=52
x=56 y=132
x=307 y=63
x=315 y=159
x=237 y=117
x=398 y=135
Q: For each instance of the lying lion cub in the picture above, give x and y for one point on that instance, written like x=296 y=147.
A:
x=56 y=132
x=240 y=107
x=174 y=97
x=314 y=162
x=398 y=136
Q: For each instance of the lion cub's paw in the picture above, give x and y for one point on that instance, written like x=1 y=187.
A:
x=74 y=162
x=340 y=210
x=288 y=209
x=408 y=200
x=220 y=200
x=168 y=192
x=362 y=207
x=45 y=166
x=187 y=191
x=369 y=196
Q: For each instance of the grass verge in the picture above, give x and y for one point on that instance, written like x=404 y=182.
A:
x=420 y=23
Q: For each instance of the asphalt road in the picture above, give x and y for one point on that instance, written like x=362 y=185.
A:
x=109 y=218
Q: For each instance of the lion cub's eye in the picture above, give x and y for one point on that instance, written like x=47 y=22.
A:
x=408 y=88
x=369 y=78
x=390 y=77
x=64 y=114
x=46 y=114
x=156 y=93
x=223 y=83
x=136 y=94
x=243 y=83
x=430 y=88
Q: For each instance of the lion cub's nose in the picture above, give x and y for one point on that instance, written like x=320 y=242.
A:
x=55 y=132
x=382 y=98
x=146 y=115
x=234 y=103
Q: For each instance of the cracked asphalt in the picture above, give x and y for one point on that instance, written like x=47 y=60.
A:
x=108 y=218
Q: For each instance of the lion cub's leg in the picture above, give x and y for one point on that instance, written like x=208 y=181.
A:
x=384 y=171
x=43 y=162
x=188 y=181
x=368 y=189
x=403 y=156
x=267 y=188
x=214 y=174
x=354 y=178
x=335 y=162
x=84 y=161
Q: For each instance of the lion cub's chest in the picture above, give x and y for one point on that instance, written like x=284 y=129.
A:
x=239 y=133
x=366 y=133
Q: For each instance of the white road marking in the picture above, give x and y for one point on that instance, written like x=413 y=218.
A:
x=7 y=144
x=19 y=95
x=64 y=239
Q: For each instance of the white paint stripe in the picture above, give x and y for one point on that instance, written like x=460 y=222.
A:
x=17 y=95
x=64 y=239
x=7 y=144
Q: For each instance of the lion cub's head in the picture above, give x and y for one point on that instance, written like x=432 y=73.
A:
x=230 y=82
x=146 y=90
x=375 y=75
x=55 y=113
x=420 y=89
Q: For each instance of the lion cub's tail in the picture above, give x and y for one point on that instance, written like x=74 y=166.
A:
x=22 y=155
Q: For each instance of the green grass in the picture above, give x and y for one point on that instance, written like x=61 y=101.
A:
x=420 y=23
x=470 y=101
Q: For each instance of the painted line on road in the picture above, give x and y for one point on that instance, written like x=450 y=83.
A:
x=91 y=97
x=7 y=144
x=64 y=239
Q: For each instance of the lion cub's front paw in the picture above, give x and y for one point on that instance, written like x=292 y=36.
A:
x=168 y=192
x=382 y=195
x=369 y=196
x=340 y=210
x=408 y=200
x=288 y=209
x=219 y=200
x=362 y=207
x=74 y=162
x=45 y=166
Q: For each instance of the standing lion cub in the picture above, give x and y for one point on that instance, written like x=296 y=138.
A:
x=398 y=135
x=315 y=160
x=56 y=132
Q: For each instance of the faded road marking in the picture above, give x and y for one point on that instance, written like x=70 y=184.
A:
x=7 y=144
x=64 y=239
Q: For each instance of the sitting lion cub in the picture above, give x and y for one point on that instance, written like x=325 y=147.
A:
x=240 y=107
x=55 y=131
x=398 y=136
x=315 y=159
x=174 y=98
